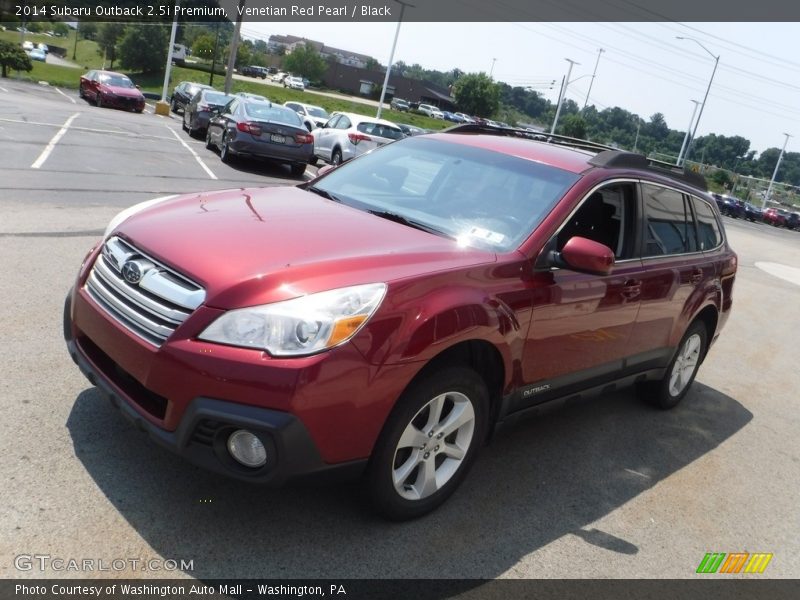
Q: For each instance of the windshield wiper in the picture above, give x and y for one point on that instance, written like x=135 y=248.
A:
x=323 y=193
x=397 y=218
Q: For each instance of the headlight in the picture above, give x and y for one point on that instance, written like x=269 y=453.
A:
x=300 y=326
x=132 y=210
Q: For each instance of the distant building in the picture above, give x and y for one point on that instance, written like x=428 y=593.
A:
x=288 y=43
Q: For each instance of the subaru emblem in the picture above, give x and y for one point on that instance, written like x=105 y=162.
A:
x=132 y=272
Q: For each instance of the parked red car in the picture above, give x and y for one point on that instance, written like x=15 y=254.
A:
x=106 y=88
x=776 y=217
x=383 y=318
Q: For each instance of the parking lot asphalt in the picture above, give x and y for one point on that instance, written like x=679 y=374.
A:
x=606 y=488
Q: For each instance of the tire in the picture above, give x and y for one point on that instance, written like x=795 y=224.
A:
x=80 y=93
x=98 y=101
x=336 y=157
x=313 y=160
x=173 y=106
x=680 y=373
x=297 y=170
x=183 y=122
x=224 y=151
x=420 y=458
x=209 y=143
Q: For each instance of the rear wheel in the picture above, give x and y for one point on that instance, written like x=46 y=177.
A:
x=224 y=151
x=680 y=374
x=99 y=100
x=428 y=443
x=298 y=170
x=173 y=105
x=336 y=157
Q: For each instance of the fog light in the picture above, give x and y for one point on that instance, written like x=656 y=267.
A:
x=247 y=449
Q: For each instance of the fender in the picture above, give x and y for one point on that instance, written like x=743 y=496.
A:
x=420 y=324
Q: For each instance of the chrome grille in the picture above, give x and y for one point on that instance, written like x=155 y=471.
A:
x=151 y=305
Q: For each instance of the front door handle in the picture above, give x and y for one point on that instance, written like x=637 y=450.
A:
x=631 y=288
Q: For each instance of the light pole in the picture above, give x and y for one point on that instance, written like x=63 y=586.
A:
x=591 y=83
x=686 y=137
x=563 y=93
x=775 y=172
x=391 y=56
x=233 y=49
x=162 y=108
x=494 y=60
x=702 y=106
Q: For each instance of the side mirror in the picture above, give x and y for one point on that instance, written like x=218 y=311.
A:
x=138 y=87
x=583 y=254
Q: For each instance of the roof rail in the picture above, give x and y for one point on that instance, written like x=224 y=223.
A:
x=561 y=140
x=619 y=159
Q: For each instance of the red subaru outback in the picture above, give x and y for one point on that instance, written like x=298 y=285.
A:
x=386 y=316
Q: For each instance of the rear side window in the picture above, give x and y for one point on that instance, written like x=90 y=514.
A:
x=707 y=225
x=669 y=226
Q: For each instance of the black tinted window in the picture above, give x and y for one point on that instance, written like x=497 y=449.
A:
x=669 y=227
x=707 y=225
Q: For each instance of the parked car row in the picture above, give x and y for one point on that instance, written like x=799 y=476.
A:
x=737 y=208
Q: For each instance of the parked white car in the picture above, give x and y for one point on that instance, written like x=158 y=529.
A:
x=278 y=77
x=294 y=83
x=27 y=45
x=431 y=111
x=313 y=116
x=347 y=135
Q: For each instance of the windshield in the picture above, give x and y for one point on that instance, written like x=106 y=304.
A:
x=272 y=114
x=117 y=81
x=482 y=198
x=217 y=98
x=316 y=111
x=377 y=129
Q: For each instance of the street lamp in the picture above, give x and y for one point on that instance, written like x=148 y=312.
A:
x=591 y=83
x=494 y=60
x=391 y=56
x=775 y=172
x=702 y=106
x=686 y=137
x=563 y=93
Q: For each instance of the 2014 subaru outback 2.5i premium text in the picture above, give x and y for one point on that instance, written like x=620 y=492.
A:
x=383 y=318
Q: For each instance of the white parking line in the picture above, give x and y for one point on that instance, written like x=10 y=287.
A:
x=4 y=89
x=89 y=129
x=49 y=148
x=70 y=98
x=196 y=156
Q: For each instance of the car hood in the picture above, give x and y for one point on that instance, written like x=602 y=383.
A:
x=255 y=246
x=125 y=92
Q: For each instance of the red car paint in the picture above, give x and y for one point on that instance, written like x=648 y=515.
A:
x=100 y=87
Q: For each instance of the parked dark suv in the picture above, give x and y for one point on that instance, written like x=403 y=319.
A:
x=384 y=317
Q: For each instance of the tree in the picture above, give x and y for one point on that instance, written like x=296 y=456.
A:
x=144 y=48
x=60 y=28
x=88 y=29
x=13 y=57
x=203 y=46
x=477 y=94
x=373 y=65
x=108 y=36
x=305 y=61
x=573 y=126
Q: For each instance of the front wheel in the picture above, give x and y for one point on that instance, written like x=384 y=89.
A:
x=680 y=374
x=209 y=143
x=428 y=443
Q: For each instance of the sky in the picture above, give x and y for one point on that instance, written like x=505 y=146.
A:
x=644 y=68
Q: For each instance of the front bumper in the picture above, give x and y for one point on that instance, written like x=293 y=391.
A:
x=206 y=423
